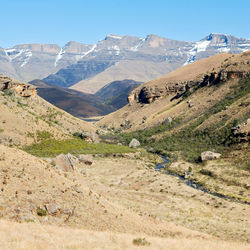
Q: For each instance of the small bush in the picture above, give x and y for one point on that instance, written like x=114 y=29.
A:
x=41 y=212
x=43 y=135
x=9 y=92
x=141 y=242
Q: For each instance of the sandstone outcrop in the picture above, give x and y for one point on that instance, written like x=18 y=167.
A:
x=150 y=93
x=23 y=89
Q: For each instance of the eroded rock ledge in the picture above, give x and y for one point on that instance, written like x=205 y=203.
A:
x=23 y=89
x=149 y=94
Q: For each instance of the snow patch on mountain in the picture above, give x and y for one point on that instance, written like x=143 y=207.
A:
x=141 y=42
x=198 y=47
x=13 y=53
x=27 y=56
x=223 y=49
x=89 y=51
x=59 y=56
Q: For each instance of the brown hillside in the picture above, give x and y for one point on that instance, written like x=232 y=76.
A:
x=152 y=102
x=23 y=113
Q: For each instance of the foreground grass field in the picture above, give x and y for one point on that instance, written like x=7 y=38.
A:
x=35 y=236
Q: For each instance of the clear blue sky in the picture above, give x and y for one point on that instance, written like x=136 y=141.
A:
x=87 y=21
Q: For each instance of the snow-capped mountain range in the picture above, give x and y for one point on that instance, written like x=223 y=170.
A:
x=88 y=67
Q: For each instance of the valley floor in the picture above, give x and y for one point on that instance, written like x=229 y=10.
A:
x=152 y=194
x=115 y=203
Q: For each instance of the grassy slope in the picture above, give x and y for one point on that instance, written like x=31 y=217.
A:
x=22 y=118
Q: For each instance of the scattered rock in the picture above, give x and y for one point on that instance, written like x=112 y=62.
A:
x=65 y=162
x=86 y=159
x=52 y=208
x=208 y=155
x=134 y=143
x=242 y=131
x=190 y=104
x=168 y=120
x=66 y=211
x=126 y=124
x=89 y=137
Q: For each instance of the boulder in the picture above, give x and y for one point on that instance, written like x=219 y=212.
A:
x=90 y=137
x=208 y=155
x=168 y=120
x=65 y=163
x=134 y=143
x=126 y=124
x=190 y=104
x=86 y=159
x=52 y=208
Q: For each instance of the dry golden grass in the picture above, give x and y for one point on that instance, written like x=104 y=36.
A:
x=35 y=236
x=154 y=195
x=28 y=183
x=118 y=195
x=21 y=118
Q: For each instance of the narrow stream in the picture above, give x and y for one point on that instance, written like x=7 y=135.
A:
x=190 y=183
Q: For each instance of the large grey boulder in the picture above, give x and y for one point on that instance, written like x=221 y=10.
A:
x=208 y=155
x=66 y=162
x=134 y=143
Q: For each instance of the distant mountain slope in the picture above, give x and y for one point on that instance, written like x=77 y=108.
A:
x=116 y=93
x=72 y=101
x=136 y=70
x=121 y=54
x=26 y=62
x=74 y=73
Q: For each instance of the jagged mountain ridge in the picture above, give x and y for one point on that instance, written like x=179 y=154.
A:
x=36 y=61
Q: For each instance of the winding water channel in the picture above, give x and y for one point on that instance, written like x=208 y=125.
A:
x=190 y=183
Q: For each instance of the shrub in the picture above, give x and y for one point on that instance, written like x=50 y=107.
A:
x=41 y=212
x=43 y=135
x=141 y=242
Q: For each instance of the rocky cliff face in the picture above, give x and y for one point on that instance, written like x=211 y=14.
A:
x=150 y=93
x=24 y=90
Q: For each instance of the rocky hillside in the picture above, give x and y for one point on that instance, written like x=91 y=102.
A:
x=25 y=116
x=90 y=67
x=198 y=113
x=184 y=93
